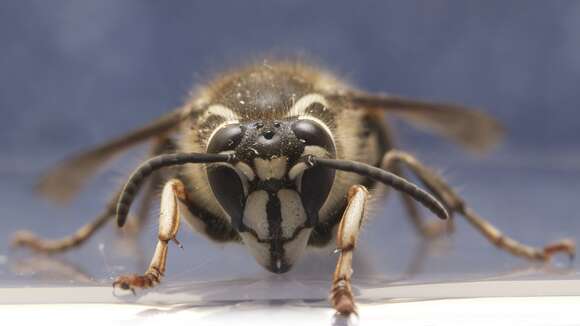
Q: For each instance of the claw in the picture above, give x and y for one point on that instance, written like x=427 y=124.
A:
x=130 y=282
x=342 y=299
x=23 y=238
x=123 y=284
x=565 y=246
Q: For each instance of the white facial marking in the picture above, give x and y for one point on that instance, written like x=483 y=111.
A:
x=222 y=111
x=229 y=116
x=260 y=251
x=297 y=170
x=274 y=168
x=246 y=170
x=315 y=151
x=299 y=108
x=255 y=214
x=294 y=249
x=293 y=214
x=295 y=173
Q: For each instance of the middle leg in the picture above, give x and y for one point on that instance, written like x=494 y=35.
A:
x=388 y=142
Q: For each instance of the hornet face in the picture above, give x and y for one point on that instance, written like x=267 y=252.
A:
x=272 y=200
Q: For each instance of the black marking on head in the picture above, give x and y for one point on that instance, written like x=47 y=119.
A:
x=272 y=185
x=277 y=256
x=267 y=139
x=273 y=210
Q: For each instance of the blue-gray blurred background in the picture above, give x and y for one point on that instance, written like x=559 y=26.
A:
x=74 y=73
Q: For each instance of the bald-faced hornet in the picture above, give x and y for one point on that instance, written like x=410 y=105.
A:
x=280 y=157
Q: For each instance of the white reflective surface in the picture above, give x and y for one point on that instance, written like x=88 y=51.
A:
x=478 y=303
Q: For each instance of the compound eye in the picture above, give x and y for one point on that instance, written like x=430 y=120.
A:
x=312 y=133
x=315 y=187
x=228 y=189
x=225 y=139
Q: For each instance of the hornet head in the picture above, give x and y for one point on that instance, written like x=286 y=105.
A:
x=271 y=197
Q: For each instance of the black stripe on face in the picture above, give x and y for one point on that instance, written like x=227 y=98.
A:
x=274 y=211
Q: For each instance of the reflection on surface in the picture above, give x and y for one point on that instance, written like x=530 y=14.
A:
x=388 y=253
x=51 y=269
x=56 y=269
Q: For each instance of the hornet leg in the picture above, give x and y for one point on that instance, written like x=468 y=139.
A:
x=341 y=295
x=173 y=192
x=28 y=239
x=455 y=204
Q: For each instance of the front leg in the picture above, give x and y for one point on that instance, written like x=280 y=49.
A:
x=173 y=192
x=341 y=295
